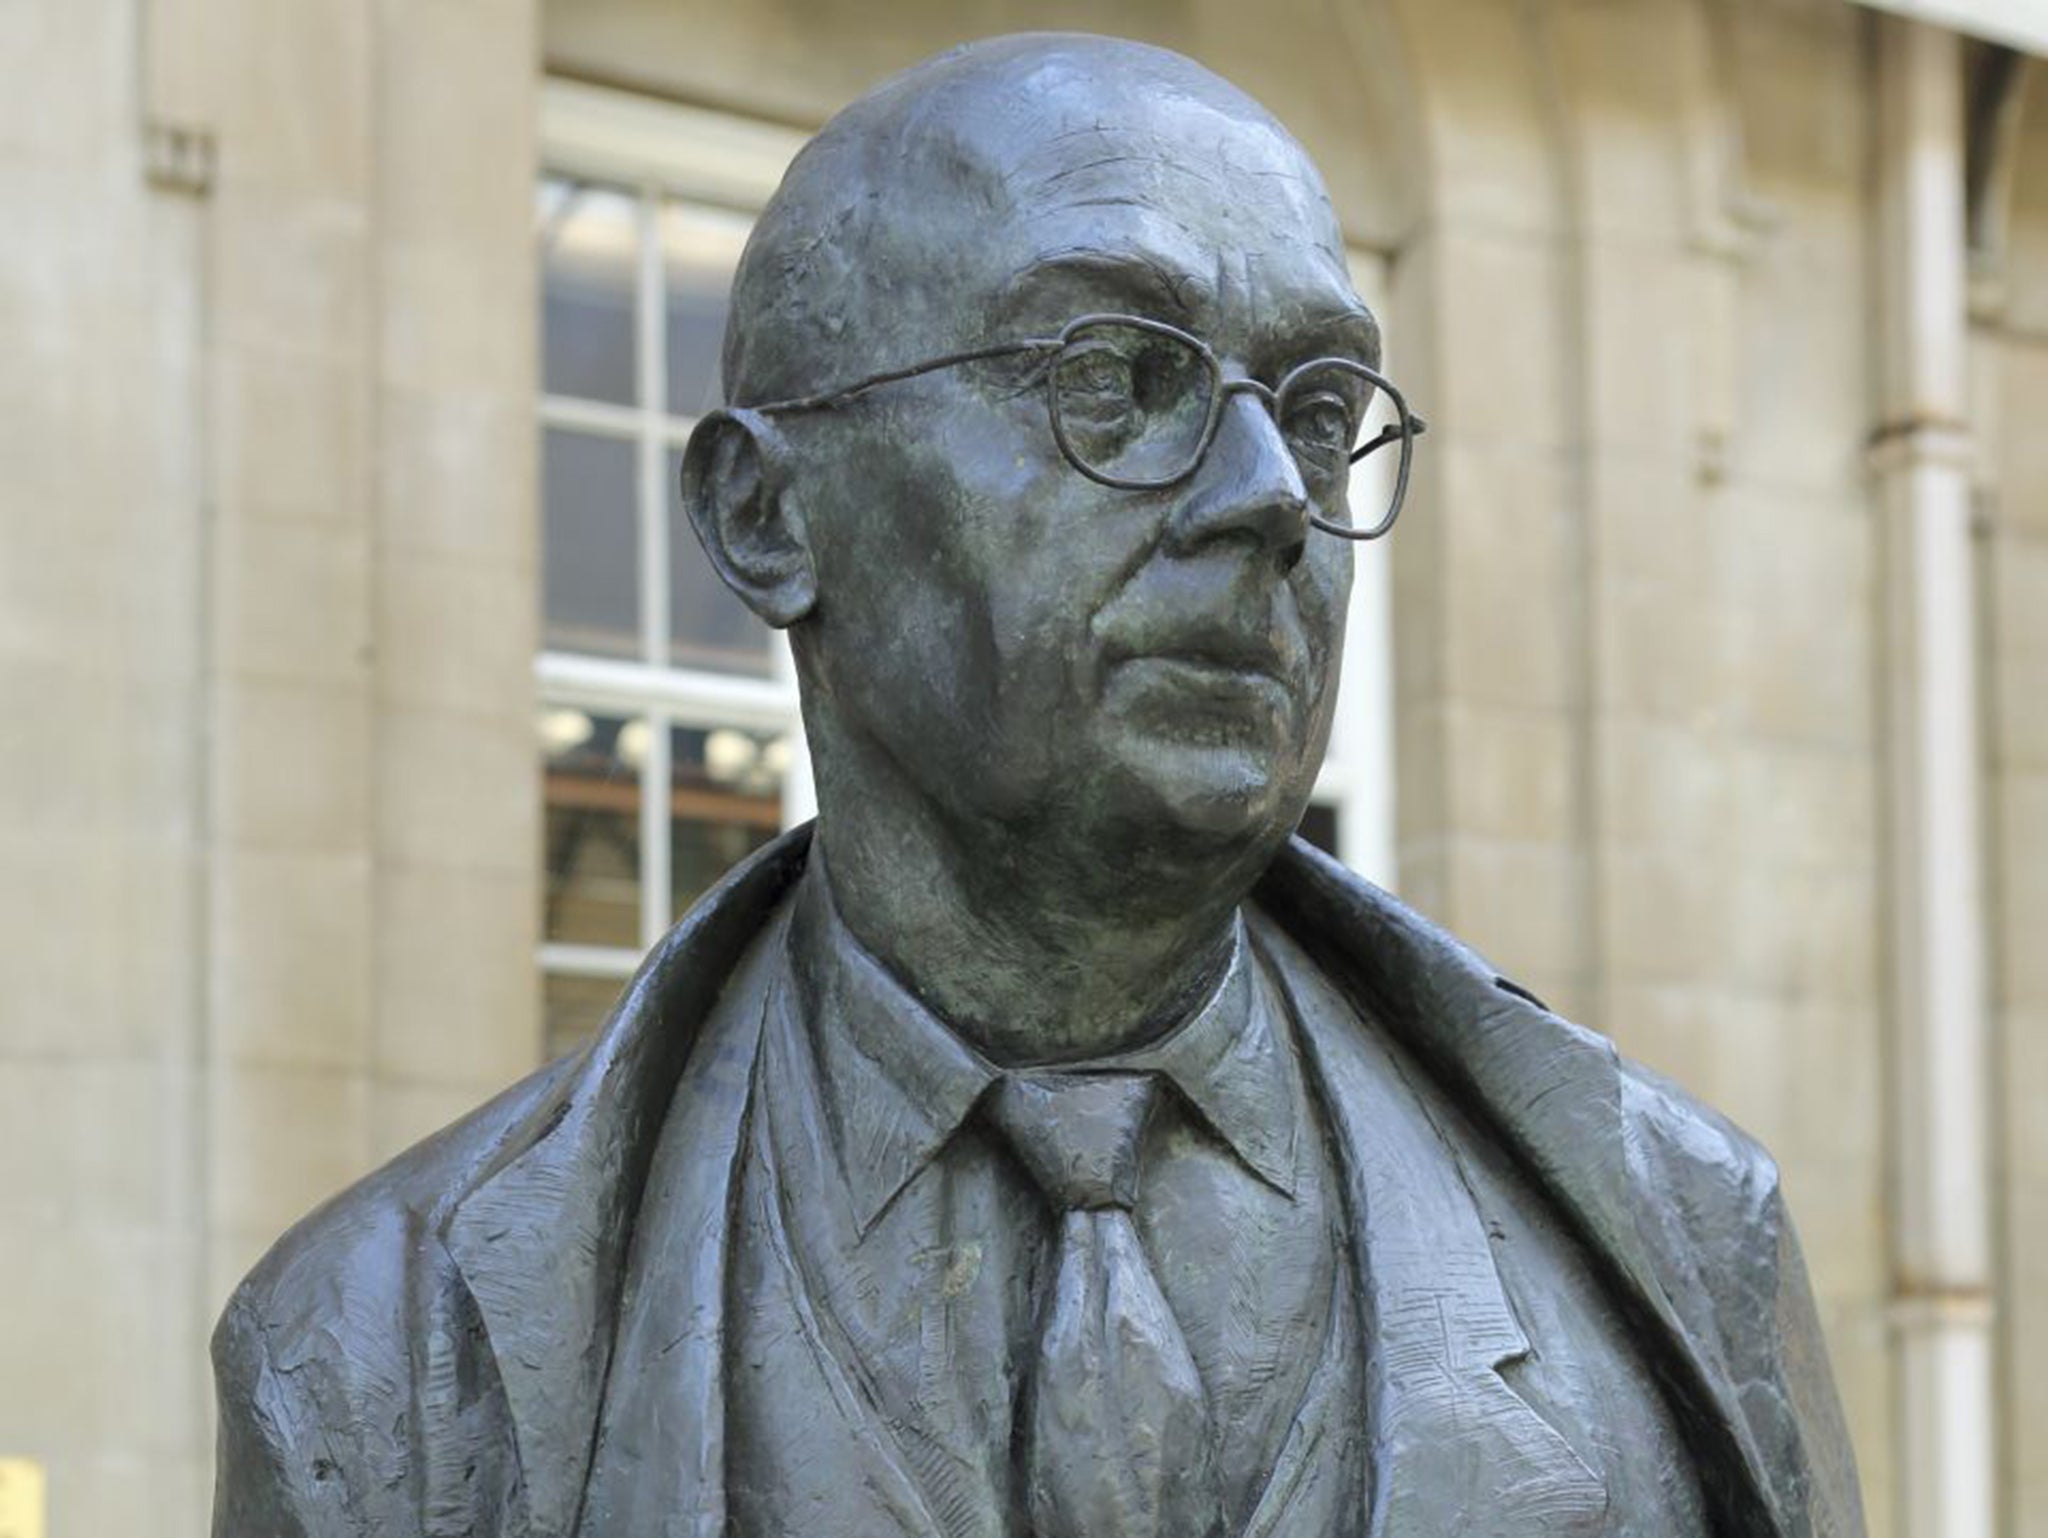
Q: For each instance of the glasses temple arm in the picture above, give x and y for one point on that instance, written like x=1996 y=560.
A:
x=826 y=399
x=1416 y=428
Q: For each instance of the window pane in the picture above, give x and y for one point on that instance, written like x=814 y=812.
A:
x=589 y=238
x=708 y=626
x=592 y=593
x=700 y=247
x=572 y=1008
x=1319 y=827
x=728 y=803
x=591 y=774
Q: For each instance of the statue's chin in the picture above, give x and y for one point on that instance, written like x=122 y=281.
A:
x=1212 y=795
x=1212 y=757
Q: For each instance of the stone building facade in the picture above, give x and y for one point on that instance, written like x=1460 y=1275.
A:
x=1706 y=687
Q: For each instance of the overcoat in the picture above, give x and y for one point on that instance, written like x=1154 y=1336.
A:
x=426 y=1355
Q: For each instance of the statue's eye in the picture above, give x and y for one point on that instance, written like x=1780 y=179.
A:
x=1321 y=425
x=1131 y=402
x=1098 y=377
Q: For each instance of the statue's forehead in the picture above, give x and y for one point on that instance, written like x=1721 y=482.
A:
x=1084 y=144
x=906 y=229
x=1198 y=190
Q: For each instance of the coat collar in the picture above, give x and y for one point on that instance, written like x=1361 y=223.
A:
x=1557 y=1096
x=541 y=1237
x=1458 y=1453
x=898 y=1081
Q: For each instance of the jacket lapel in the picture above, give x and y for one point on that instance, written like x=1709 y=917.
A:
x=1556 y=1094
x=1457 y=1453
x=541 y=1236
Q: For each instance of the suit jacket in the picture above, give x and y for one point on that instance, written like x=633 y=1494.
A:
x=425 y=1356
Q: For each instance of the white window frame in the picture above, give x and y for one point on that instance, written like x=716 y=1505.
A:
x=1357 y=776
x=661 y=149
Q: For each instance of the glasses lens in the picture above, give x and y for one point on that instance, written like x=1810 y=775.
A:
x=1344 y=433
x=1329 y=412
x=1131 y=403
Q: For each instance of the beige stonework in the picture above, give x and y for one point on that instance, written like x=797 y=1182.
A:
x=223 y=519
x=2012 y=371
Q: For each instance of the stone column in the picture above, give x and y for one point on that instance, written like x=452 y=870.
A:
x=1941 y=1236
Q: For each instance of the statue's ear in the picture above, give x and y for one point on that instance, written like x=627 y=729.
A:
x=734 y=488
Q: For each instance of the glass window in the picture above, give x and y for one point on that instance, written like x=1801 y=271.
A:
x=588 y=501
x=669 y=719
x=572 y=1007
x=700 y=247
x=589 y=256
x=634 y=288
x=1319 y=826
x=591 y=767
x=727 y=803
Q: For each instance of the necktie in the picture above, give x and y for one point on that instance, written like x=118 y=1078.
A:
x=1116 y=1425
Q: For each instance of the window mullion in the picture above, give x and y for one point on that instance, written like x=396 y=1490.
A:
x=1363 y=742
x=653 y=439
x=656 y=775
x=567 y=959
x=600 y=418
x=700 y=700
x=799 y=790
x=656 y=778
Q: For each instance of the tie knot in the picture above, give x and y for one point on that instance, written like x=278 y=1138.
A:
x=1078 y=1133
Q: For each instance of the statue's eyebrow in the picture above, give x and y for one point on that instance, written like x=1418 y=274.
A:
x=1139 y=280
x=1352 y=331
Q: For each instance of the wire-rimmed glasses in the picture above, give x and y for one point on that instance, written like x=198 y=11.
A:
x=1135 y=403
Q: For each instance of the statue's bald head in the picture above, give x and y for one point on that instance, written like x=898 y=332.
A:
x=991 y=638
x=898 y=222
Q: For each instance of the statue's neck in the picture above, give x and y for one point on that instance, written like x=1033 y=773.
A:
x=1025 y=962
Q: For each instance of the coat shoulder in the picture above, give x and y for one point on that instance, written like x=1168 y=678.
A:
x=1724 y=1218
x=1687 y=1208
x=314 y=1353
x=1681 y=1144
x=351 y=1252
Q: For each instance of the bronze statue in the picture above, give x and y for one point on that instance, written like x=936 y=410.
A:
x=1043 y=1145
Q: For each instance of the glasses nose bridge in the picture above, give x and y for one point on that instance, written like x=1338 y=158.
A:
x=1265 y=393
x=1269 y=398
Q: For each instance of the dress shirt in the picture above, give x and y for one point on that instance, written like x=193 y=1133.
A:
x=922 y=1244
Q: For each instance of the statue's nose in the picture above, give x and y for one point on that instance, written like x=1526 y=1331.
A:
x=1248 y=487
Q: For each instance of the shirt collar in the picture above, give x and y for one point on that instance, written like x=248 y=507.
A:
x=898 y=1082
x=1231 y=1063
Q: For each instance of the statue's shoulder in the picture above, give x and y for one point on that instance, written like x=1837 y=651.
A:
x=315 y=1353
x=353 y=1255
x=1687 y=1140
x=1733 y=1270
x=1560 y=1092
x=350 y=1268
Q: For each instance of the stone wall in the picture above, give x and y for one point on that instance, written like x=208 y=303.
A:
x=103 y=656
x=1639 y=753
x=266 y=635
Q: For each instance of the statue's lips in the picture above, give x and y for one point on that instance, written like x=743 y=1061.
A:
x=1203 y=683
x=1213 y=650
